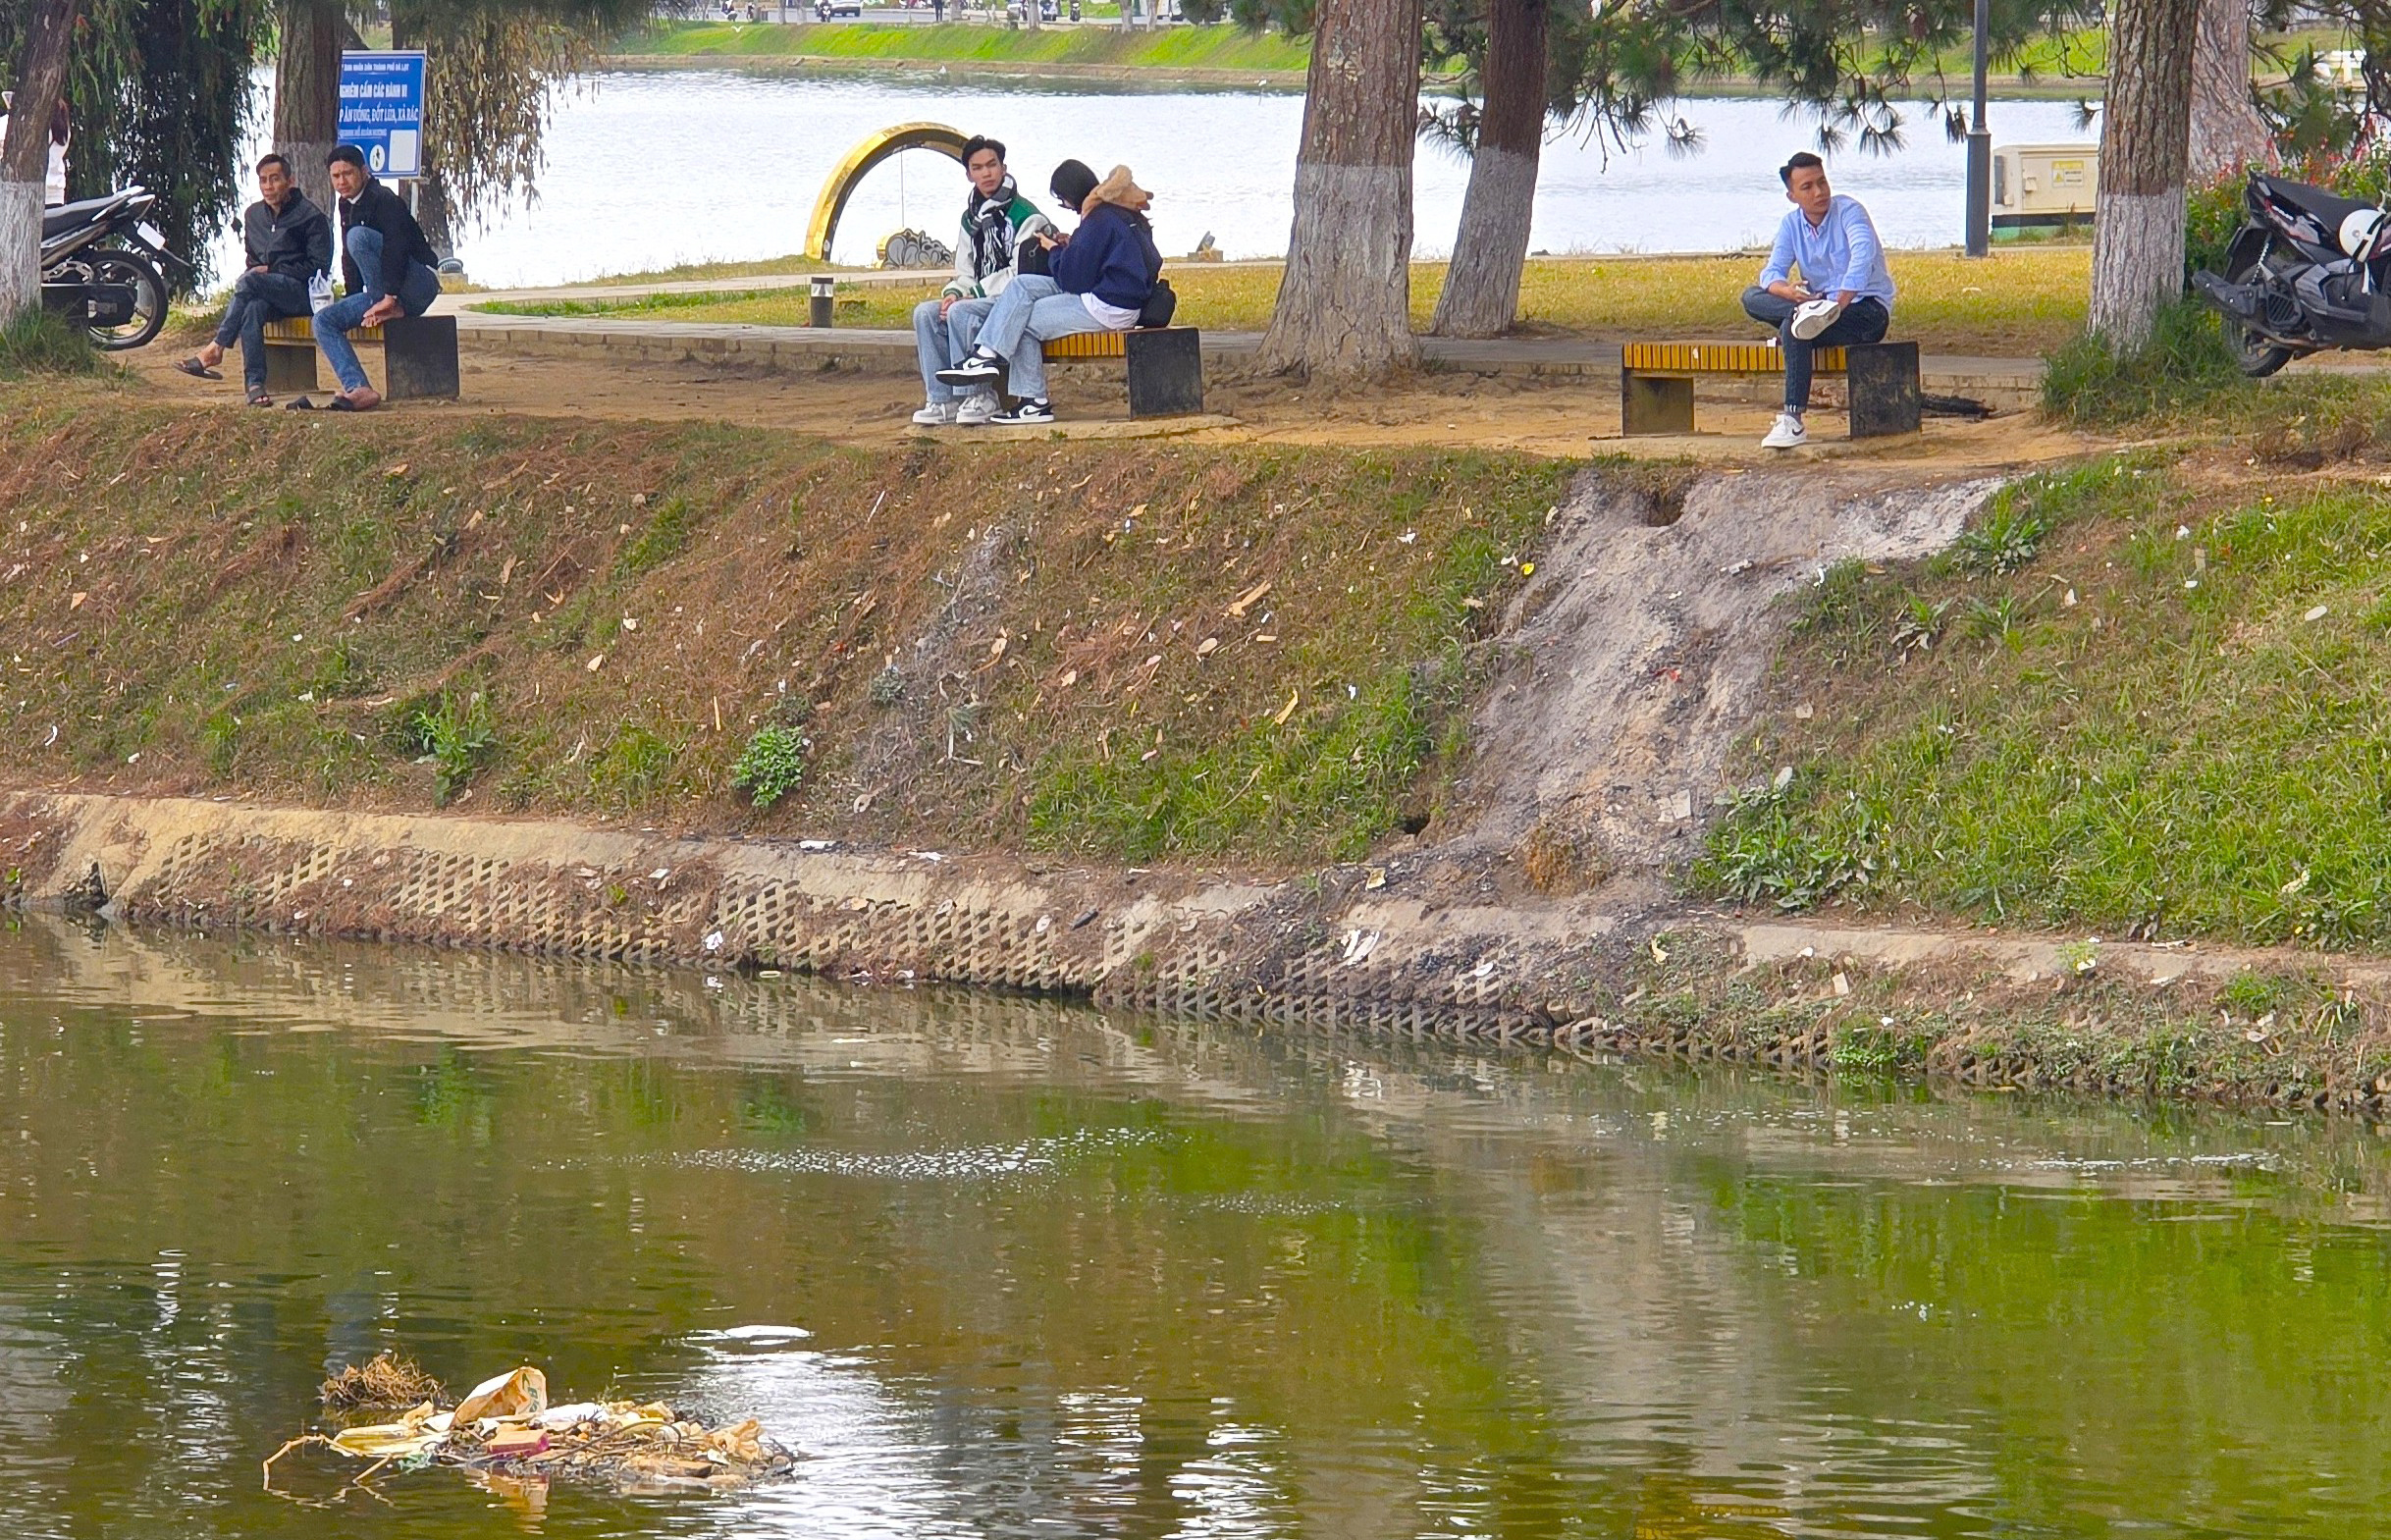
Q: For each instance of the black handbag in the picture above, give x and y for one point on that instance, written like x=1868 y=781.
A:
x=1160 y=305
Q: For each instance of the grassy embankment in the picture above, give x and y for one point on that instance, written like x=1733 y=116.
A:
x=2145 y=695
x=1183 y=48
x=1257 y=653
x=2023 y=300
x=2066 y=64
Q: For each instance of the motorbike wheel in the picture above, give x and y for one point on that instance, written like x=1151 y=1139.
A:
x=148 y=299
x=2253 y=353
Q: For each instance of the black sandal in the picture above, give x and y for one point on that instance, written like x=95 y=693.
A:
x=260 y=398
x=197 y=370
x=300 y=404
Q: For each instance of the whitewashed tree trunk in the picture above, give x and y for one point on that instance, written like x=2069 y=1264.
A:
x=2138 y=235
x=1481 y=295
x=2227 y=133
x=24 y=151
x=20 y=246
x=1344 y=308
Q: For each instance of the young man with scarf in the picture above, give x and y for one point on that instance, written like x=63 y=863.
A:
x=998 y=224
x=1101 y=277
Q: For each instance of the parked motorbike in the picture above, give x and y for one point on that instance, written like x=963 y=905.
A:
x=106 y=247
x=2308 y=271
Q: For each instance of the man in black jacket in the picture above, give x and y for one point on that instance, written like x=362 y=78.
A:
x=288 y=242
x=386 y=265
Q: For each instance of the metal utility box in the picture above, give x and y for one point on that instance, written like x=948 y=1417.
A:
x=2044 y=186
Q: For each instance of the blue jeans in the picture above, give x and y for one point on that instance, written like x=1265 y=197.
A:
x=258 y=297
x=416 y=288
x=943 y=342
x=1031 y=310
x=1864 y=320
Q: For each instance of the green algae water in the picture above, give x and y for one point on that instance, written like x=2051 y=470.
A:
x=1007 y=1268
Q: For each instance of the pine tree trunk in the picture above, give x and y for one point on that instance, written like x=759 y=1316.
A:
x=2138 y=235
x=1481 y=295
x=1345 y=303
x=2227 y=133
x=307 y=93
x=24 y=155
x=435 y=213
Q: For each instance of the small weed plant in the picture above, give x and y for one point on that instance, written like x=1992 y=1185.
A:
x=2009 y=535
x=1877 y=1048
x=772 y=766
x=1767 y=850
x=457 y=740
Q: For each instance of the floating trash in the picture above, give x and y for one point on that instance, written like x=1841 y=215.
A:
x=504 y=1427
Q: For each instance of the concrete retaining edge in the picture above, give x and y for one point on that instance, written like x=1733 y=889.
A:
x=1348 y=954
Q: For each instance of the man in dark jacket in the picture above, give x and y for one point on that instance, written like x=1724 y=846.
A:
x=288 y=244
x=1102 y=274
x=387 y=267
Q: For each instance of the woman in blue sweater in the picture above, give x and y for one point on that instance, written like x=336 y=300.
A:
x=1102 y=274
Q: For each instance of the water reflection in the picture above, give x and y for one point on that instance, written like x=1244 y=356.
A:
x=1006 y=1268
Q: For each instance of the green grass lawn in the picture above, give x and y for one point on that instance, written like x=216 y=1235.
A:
x=2021 y=300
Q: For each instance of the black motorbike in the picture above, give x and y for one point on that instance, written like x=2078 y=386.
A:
x=2306 y=272
x=107 y=266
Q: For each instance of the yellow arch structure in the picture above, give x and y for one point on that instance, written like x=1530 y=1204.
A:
x=858 y=164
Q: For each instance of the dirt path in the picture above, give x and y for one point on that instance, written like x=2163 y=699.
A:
x=1568 y=416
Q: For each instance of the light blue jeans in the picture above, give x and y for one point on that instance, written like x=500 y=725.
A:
x=943 y=342
x=1031 y=310
x=416 y=288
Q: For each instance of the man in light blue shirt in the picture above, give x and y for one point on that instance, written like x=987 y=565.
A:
x=1845 y=294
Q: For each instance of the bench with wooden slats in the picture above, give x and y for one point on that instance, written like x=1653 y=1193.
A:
x=418 y=356
x=1165 y=365
x=1656 y=382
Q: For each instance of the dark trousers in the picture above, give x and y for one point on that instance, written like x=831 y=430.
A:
x=258 y=297
x=1864 y=320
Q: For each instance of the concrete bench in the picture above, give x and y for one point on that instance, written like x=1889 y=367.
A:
x=1165 y=365
x=418 y=356
x=1656 y=382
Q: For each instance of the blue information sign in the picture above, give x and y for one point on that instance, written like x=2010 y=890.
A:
x=382 y=110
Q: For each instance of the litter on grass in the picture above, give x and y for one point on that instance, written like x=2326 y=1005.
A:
x=505 y=1426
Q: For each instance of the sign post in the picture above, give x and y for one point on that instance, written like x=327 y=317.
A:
x=382 y=110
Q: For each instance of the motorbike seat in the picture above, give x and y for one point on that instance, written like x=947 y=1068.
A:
x=68 y=216
x=2328 y=208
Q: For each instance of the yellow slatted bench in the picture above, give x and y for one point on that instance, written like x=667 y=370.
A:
x=1656 y=382
x=418 y=356
x=1165 y=365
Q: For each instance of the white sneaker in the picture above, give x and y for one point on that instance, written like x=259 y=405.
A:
x=936 y=414
x=975 y=409
x=1787 y=434
x=1036 y=409
x=1814 y=317
x=976 y=368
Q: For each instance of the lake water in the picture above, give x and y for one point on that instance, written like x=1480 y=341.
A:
x=647 y=170
x=1073 y=1275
